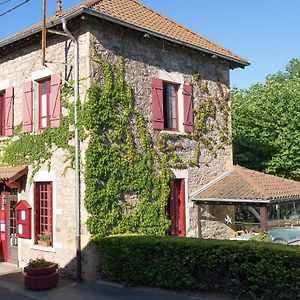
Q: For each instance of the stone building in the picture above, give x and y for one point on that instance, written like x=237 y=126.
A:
x=173 y=73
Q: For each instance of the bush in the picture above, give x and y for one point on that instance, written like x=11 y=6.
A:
x=258 y=270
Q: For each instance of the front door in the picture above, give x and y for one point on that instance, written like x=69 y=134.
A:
x=12 y=256
x=176 y=207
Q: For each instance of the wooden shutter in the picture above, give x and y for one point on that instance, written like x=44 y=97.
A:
x=55 y=106
x=157 y=104
x=27 y=106
x=8 y=111
x=188 y=108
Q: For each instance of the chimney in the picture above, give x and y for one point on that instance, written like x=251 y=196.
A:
x=58 y=8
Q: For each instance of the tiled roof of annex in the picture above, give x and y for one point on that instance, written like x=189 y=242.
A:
x=241 y=183
x=133 y=13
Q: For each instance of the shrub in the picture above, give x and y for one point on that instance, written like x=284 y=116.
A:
x=39 y=263
x=258 y=270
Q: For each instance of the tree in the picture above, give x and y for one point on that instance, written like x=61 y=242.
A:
x=266 y=124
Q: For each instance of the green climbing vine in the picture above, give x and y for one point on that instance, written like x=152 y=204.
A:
x=127 y=173
x=126 y=183
x=35 y=149
x=126 y=170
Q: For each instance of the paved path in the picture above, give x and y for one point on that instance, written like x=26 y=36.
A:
x=12 y=288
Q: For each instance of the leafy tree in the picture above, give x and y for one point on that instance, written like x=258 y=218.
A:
x=266 y=124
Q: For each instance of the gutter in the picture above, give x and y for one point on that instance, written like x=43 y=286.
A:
x=100 y=15
x=77 y=150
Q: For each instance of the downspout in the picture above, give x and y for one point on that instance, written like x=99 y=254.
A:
x=77 y=148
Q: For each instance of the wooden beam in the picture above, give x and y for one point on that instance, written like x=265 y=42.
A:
x=263 y=212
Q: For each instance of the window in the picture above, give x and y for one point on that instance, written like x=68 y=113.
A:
x=6 y=111
x=44 y=103
x=172 y=110
x=2 y=114
x=170 y=106
x=43 y=209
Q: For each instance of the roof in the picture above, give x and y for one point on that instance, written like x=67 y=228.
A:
x=135 y=15
x=12 y=173
x=241 y=185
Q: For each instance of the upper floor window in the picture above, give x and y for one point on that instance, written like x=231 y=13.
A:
x=44 y=103
x=172 y=110
x=6 y=111
x=48 y=103
x=170 y=106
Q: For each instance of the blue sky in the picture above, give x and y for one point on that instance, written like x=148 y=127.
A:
x=266 y=32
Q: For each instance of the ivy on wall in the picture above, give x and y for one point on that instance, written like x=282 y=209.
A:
x=126 y=183
x=35 y=149
x=126 y=171
x=127 y=180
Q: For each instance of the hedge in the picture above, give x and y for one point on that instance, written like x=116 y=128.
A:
x=256 y=269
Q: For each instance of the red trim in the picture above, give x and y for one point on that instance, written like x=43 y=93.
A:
x=176 y=207
x=27 y=106
x=188 y=120
x=9 y=111
x=2 y=114
x=47 y=81
x=39 y=197
x=157 y=104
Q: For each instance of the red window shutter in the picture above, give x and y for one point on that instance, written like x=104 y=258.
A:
x=8 y=111
x=27 y=106
x=188 y=108
x=55 y=108
x=157 y=104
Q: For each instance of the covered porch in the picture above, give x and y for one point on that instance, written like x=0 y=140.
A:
x=259 y=200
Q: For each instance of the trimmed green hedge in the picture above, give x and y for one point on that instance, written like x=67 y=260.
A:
x=256 y=269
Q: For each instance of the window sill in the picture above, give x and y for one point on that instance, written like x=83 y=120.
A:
x=3 y=138
x=45 y=249
x=173 y=132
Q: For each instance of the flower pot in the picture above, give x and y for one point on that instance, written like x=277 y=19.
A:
x=41 y=278
x=44 y=243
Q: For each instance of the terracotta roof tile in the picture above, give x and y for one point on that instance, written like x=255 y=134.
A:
x=12 y=173
x=134 y=13
x=242 y=183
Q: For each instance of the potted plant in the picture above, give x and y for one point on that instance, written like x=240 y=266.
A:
x=44 y=239
x=40 y=274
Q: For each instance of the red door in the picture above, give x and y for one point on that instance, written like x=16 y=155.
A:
x=3 y=227
x=176 y=207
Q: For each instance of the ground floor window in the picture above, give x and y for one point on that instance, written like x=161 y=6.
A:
x=176 y=208
x=43 y=213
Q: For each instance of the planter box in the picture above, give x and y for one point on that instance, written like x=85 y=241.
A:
x=41 y=278
x=44 y=243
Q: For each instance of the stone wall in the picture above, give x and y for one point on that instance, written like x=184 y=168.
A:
x=144 y=58
x=19 y=65
x=148 y=57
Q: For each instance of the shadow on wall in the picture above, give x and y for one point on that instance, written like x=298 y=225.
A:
x=89 y=263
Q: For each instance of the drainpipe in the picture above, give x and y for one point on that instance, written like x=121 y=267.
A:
x=77 y=148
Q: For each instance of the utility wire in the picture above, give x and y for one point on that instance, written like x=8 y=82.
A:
x=4 y=2
x=10 y=10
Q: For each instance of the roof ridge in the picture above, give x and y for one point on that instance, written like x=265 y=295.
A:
x=178 y=24
x=245 y=176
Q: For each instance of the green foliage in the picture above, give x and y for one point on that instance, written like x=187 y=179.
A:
x=120 y=164
x=35 y=149
x=253 y=269
x=39 y=263
x=261 y=237
x=266 y=134
x=126 y=177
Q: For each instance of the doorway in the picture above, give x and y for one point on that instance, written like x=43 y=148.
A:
x=12 y=253
x=176 y=207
